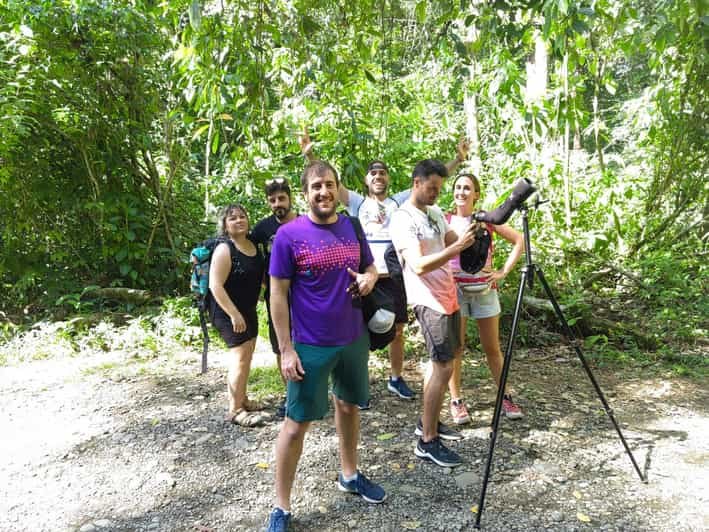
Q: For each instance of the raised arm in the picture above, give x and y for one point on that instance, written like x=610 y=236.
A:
x=306 y=148
x=306 y=145
x=461 y=153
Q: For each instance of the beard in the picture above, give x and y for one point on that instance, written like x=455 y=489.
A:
x=323 y=214
x=281 y=212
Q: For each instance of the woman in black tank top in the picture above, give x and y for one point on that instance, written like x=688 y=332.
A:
x=235 y=279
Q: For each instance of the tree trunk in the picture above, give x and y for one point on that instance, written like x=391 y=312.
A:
x=207 y=152
x=565 y=148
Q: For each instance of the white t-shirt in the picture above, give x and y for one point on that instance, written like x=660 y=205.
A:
x=409 y=228
x=375 y=216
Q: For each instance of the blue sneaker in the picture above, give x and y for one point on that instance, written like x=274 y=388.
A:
x=444 y=431
x=438 y=453
x=281 y=410
x=365 y=406
x=363 y=487
x=278 y=521
x=400 y=388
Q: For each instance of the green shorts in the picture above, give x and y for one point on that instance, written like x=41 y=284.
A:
x=348 y=364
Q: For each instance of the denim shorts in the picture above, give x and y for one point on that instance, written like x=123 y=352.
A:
x=483 y=305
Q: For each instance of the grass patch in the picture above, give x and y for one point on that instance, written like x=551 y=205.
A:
x=666 y=361
x=262 y=319
x=475 y=370
x=103 y=368
x=265 y=381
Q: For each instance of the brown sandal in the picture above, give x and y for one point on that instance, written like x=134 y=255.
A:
x=251 y=405
x=244 y=418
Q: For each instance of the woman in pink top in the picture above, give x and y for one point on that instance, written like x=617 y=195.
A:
x=476 y=301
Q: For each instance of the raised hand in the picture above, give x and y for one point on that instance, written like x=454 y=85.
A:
x=462 y=149
x=306 y=145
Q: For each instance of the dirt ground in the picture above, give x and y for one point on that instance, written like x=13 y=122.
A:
x=95 y=443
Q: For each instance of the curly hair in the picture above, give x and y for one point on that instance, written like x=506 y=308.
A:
x=224 y=214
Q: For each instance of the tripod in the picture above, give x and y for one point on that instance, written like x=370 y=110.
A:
x=528 y=272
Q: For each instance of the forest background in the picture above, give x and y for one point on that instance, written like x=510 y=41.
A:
x=124 y=125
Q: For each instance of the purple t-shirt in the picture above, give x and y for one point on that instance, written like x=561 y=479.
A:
x=315 y=258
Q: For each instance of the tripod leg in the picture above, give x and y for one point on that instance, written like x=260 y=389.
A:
x=205 y=340
x=569 y=333
x=527 y=270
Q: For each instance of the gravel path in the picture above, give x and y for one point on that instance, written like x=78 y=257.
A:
x=89 y=444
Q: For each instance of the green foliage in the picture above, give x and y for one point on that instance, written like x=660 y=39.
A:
x=123 y=125
x=266 y=381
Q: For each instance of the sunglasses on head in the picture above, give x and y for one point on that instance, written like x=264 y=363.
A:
x=275 y=181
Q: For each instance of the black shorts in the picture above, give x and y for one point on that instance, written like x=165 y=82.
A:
x=396 y=291
x=272 y=331
x=222 y=322
x=441 y=331
x=273 y=337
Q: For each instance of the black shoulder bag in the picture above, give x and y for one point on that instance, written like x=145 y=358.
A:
x=375 y=300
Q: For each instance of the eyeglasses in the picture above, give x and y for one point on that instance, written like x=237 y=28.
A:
x=275 y=181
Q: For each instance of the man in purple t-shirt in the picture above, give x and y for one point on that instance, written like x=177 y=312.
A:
x=316 y=257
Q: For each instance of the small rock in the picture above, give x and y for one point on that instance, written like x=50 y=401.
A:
x=203 y=439
x=166 y=478
x=104 y=523
x=556 y=516
x=88 y=527
x=466 y=479
x=241 y=443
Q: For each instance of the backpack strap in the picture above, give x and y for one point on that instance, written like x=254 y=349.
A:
x=232 y=250
x=357 y=226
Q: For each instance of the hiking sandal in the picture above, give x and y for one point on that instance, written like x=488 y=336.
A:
x=251 y=405
x=244 y=418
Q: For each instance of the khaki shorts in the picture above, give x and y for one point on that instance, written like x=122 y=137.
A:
x=441 y=332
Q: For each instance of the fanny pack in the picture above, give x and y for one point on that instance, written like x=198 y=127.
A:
x=477 y=285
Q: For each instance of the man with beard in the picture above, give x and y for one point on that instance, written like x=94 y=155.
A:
x=315 y=259
x=425 y=243
x=374 y=212
x=279 y=200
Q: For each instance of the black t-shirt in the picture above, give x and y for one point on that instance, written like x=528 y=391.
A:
x=263 y=234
